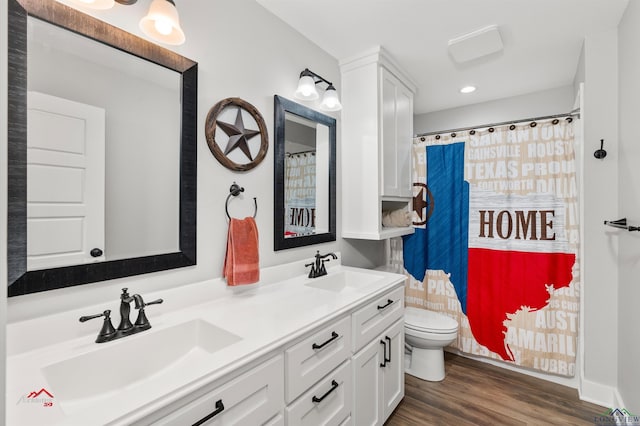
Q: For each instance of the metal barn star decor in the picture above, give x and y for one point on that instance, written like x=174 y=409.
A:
x=422 y=203
x=239 y=136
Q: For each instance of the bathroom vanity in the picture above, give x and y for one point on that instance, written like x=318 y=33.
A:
x=290 y=350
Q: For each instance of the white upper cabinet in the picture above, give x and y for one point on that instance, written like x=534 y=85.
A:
x=396 y=129
x=377 y=132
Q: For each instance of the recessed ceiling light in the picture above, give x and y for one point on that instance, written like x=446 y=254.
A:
x=468 y=89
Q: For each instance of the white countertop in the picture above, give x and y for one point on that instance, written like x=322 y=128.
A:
x=264 y=317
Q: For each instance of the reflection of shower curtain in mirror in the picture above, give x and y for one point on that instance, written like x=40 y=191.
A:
x=299 y=194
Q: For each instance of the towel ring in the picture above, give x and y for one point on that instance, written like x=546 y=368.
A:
x=234 y=191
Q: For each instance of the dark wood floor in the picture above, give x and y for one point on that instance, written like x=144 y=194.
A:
x=476 y=393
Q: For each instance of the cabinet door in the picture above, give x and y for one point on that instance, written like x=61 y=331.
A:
x=250 y=399
x=393 y=370
x=367 y=386
x=404 y=140
x=396 y=133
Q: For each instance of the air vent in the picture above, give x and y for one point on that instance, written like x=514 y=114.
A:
x=476 y=44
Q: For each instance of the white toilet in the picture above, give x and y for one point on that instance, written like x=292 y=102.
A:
x=427 y=333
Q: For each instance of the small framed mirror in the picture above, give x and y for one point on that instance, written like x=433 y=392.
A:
x=304 y=176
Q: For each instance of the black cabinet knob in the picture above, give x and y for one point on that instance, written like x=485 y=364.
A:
x=96 y=252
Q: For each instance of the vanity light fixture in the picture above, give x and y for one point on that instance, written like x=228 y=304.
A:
x=161 y=23
x=307 y=91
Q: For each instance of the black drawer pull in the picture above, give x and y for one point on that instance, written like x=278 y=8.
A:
x=384 y=353
x=389 y=302
x=333 y=337
x=218 y=410
x=388 y=339
x=334 y=386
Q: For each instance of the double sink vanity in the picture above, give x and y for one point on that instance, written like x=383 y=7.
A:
x=291 y=349
x=288 y=350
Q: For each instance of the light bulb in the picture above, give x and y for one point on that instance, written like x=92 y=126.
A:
x=162 y=23
x=306 y=89
x=330 y=101
x=163 y=26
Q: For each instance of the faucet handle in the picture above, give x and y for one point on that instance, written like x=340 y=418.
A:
x=142 y=322
x=312 y=271
x=107 y=331
x=141 y=304
x=323 y=269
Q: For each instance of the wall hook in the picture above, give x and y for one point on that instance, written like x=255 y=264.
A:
x=600 y=153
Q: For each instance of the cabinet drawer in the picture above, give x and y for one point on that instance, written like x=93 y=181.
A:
x=327 y=403
x=371 y=320
x=308 y=361
x=250 y=399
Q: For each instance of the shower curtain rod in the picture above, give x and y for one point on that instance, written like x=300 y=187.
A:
x=291 y=154
x=573 y=113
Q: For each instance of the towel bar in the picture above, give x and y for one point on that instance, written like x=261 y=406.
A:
x=621 y=224
x=234 y=191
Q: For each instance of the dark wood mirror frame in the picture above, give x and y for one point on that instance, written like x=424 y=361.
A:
x=280 y=107
x=20 y=280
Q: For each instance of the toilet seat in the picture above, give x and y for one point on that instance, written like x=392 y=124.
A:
x=428 y=321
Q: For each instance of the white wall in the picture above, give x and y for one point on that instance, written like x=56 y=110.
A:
x=243 y=51
x=600 y=200
x=553 y=101
x=629 y=181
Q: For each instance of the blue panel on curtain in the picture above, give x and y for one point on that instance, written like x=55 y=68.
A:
x=443 y=243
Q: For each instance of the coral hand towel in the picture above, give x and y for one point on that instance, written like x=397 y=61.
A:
x=241 y=263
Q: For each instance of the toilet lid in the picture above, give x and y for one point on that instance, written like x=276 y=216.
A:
x=422 y=319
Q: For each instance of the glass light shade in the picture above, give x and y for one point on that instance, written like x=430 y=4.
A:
x=306 y=89
x=162 y=23
x=330 y=101
x=94 y=4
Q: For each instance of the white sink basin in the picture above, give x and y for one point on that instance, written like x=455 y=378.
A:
x=116 y=365
x=342 y=280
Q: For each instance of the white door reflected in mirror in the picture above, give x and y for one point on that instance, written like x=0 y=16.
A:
x=65 y=182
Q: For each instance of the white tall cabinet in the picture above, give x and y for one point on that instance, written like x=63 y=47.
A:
x=377 y=130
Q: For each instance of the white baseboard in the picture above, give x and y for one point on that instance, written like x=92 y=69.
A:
x=597 y=393
x=617 y=399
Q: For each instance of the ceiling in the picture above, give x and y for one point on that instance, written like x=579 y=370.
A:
x=542 y=40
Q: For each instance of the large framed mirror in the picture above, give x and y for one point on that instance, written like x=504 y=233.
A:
x=102 y=151
x=304 y=176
